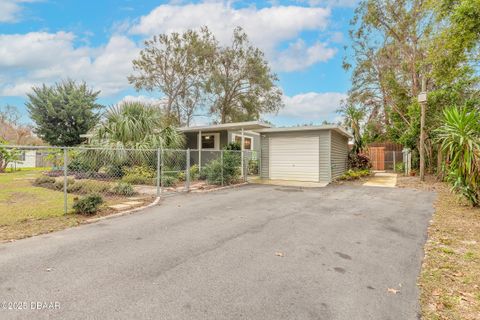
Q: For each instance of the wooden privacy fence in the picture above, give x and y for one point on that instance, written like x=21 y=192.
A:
x=385 y=156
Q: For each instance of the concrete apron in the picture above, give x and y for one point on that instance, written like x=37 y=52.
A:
x=382 y=179
x=289 y=183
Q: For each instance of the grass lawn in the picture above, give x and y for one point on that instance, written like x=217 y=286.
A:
x=27 y=210
x=450 y=277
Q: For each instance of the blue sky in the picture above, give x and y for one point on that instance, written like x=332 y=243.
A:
x=44 y=41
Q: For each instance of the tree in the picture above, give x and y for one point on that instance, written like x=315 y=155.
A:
x=63 y=112
x=176 y=64
x=7 y=155
x=241 y=84
x=12 y=131
x=133 y=125
x=353 y=117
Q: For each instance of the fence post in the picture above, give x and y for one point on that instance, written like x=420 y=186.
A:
x=244 y=166
x=394 y=163
x=187 y=172
x=162 y=154
x=158 y=172
x=65 y=181
x=221 y=164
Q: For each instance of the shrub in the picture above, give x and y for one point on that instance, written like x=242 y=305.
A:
x=137 y=179
x=230 y=172
x=354 y=174
x=400 y=167
x=54 y=173
x=90 y=186
x=139 y=175
x=252 y=167
x=123 y=189
x=44 y=180
x=194 y=174
x=58 y=185
x=358 y=161
x=169 y=180
x=88 y=205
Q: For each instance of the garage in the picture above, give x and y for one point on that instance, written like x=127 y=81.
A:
x=309 y=153
x=295 y=158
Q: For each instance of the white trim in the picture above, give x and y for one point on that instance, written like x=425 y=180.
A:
x=337 y=128
x=245 y=136
x=216 y=140
x=247 y=125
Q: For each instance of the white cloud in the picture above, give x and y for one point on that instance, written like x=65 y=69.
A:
x=144 y=100
x=332 y=3
x=299 y=56
x=10 y=10
x=267 y=28
x=312 y=106
x=40 y=57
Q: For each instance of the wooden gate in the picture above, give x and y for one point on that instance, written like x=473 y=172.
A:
x=377 y=157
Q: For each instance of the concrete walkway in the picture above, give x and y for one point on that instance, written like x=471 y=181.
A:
x=382 y=179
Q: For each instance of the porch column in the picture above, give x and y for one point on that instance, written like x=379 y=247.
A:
x=199 y=145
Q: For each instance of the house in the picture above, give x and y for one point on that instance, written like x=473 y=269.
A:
x=308 y=153
x=26 y=159
x=208 y=140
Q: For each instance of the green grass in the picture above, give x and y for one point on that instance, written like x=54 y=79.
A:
x=21 y=203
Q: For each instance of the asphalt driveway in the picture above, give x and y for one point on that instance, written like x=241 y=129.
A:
x=256 y=252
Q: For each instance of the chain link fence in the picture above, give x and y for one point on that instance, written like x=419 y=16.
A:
x=126 y=177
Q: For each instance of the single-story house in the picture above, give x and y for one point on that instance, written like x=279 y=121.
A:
x=307 y=153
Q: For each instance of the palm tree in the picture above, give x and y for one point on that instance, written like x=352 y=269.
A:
x=131 y=132
x=353 y=116
x=459 y=137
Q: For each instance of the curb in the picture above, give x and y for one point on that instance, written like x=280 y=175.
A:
x=155 y=202
x=238 y=185
x=123 y=213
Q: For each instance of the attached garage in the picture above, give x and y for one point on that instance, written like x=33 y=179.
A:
x=313 y=154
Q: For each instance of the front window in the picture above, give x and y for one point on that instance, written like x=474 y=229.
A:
x=247 y=142
x=208 y=141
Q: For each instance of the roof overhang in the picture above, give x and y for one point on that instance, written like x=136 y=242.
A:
x=248 y=125
x=336 y=128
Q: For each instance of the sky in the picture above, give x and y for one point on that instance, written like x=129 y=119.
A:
x=45 y=41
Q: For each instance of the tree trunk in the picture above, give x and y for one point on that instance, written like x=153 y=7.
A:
x=439 y=163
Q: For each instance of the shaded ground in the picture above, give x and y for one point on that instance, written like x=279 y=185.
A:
x=256 y=252
x=450 y=278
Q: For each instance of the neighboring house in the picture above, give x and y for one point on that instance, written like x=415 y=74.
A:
x=310 y=153
x=26 y=159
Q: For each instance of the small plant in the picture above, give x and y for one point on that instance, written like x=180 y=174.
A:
x=59 y=184
x=88 y=205
x=139 y=175
x=358 y=161
x=400 y=167
x=253 y=167
x=44 y=180
x=123 y=189
x=169 y=181
x=354 y=174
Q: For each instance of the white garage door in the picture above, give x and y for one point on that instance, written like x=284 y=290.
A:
x=294 y=158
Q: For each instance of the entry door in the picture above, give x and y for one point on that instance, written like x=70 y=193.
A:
x=294 y=158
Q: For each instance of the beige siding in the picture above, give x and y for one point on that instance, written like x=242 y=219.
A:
x=264 y=159
x=325 y=172
x=339 y=153
x=324 y=151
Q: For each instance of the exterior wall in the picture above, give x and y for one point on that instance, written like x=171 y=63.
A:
x=29 y=162
x=324 y=151
x=339 y=154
